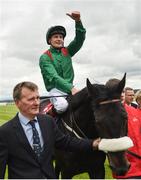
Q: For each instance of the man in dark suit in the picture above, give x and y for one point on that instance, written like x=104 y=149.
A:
x=27 y=141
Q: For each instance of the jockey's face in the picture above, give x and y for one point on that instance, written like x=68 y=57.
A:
x=57 y=41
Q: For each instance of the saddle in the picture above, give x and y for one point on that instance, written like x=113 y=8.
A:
x=48 y=108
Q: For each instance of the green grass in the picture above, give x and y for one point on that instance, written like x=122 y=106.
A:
x=8 y=111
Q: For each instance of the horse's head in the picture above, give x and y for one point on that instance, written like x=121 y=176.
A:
x=110 y=119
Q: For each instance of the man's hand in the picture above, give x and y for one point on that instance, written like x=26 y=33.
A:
x=75 y=15
x=74 y=91
x=96 y=143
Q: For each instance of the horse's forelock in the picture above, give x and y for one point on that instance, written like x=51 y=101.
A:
x=113 y=93
x=102 y=93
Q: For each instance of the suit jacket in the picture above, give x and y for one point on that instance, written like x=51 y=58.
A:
x=16 y=152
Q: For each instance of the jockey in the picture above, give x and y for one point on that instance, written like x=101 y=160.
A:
x=56 y=63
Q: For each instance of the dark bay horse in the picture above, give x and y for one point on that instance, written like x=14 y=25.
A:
x=95 y=111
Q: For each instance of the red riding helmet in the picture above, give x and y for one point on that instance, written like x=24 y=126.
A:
x=55 y=30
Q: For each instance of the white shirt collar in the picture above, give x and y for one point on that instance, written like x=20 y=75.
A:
x=24 y=120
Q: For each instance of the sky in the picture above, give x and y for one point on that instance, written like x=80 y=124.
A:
x=112 y=46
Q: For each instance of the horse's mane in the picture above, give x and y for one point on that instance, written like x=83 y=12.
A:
x=79 y=98
x=83 y=96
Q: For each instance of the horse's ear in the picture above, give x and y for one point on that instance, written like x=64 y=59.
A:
x=92 y=91
x=121 y=84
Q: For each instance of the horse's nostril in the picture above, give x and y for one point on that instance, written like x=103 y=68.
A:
x=129 y=165
x=120 y=171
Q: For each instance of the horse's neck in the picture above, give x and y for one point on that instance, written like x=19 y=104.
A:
x=79 y=99
x=82 y=114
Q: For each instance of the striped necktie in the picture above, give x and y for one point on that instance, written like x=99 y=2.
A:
x=36 y=140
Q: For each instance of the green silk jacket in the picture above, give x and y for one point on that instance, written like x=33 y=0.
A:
x=57 y=70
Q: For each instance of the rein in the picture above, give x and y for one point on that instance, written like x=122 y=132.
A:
x=71 y=129
x=73 y=121
x=133 y=154
x=47 y=97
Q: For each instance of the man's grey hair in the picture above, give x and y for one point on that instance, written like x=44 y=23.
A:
x=17 y=91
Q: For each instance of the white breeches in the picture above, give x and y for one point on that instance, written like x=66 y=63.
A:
x=60 y=103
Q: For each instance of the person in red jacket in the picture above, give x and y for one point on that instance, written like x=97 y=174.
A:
x=134 y=132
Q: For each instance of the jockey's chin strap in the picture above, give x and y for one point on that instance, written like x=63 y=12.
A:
x=110 y=101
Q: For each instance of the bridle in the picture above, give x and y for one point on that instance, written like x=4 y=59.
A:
x=109 y=101
x=113 y=101
x=134 y=154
